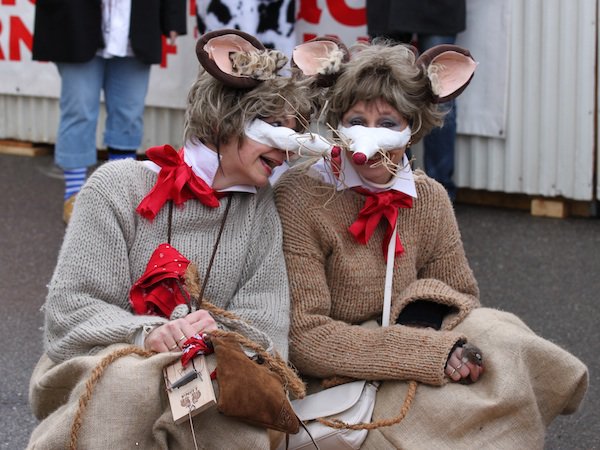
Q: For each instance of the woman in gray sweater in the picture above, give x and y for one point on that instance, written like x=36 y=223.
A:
x=97 y=300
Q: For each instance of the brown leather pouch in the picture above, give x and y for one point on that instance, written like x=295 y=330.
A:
x=249 y=390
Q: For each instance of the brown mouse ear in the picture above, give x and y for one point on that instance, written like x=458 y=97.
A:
x=413 y=49
x=449 y=68
x=321 y=58
x=214 y=52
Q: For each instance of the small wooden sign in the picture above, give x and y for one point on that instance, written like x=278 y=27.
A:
x=189 y=388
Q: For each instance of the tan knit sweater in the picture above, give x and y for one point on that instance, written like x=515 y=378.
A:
x=336 y=283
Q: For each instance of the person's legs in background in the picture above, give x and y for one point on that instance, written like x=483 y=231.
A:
x=438 y=146
x=75 y=148
x=125 y=88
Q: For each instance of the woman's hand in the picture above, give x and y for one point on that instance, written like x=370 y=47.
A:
x=465 y=363
x=170 y=336
x=172 y=37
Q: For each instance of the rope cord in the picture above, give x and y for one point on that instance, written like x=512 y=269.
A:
x=291 y=380
x=410 y=395
x=91 y=383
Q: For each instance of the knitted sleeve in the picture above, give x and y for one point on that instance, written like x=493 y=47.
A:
x=321 y=346
x=87 y=304
x=263 y=298
x=444 y=275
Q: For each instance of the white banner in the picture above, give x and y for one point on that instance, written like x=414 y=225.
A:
x=481 y=109
x=345 y=19
x=19 y=75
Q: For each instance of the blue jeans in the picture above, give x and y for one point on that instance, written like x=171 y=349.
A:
x=125 y=84
x=438 y=146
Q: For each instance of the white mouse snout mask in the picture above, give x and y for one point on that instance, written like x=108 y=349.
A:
x=366 y=142
x=287 y=139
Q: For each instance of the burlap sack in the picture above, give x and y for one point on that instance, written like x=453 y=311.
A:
x=129 y=409
x=528 y=382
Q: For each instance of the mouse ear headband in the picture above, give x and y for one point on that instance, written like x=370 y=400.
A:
x=449 y=68
x=238 y=59
x=321 y=58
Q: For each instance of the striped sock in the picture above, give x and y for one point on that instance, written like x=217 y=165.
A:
x=74 y=179
x=115 y=153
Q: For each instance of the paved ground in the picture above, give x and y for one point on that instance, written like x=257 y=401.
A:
x=547 y=271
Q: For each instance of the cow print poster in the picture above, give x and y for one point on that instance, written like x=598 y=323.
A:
x=271 y=21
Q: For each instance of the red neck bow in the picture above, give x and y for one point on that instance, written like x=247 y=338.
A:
x=377 y=206
x=176 y=181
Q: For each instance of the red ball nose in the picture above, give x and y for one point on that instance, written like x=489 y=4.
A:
x=359 y=158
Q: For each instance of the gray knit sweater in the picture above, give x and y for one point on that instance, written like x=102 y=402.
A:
x=337 y=283
x=107 y=247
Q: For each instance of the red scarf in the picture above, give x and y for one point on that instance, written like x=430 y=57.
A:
x=176 y=181
x=377 y=206
x=159 y=290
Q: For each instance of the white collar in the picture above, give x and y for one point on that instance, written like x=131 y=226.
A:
x=204 y=163
x=404 y=181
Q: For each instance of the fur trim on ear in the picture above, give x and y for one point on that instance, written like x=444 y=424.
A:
x=260 y=65
x=214 y=49
x=321 y=58
x=432 y=74
x=332 y=64
x=449 y=68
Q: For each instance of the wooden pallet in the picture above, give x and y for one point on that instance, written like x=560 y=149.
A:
x=556 y=207
x=22 y=148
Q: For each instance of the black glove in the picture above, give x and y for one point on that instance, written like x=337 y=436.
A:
x=423 y=313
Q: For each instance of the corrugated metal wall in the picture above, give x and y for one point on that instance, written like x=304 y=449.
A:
x=597 y=193
x=550 y=137
x=35 y=119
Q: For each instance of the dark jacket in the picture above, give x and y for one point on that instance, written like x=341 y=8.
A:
x=70 y=30
x=440 y=17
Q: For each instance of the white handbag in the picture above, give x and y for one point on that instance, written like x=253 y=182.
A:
x=351 y=403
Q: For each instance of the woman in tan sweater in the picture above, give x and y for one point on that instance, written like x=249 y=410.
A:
x=338 y=220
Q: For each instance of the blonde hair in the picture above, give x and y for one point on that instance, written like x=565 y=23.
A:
x=382 y=70
x=217 y=113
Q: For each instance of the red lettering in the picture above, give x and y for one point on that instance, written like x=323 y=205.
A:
x=309 y=11
x=308 y=36
x=346 y=15
x=167 y=49
x=13 y=2
x=2 y=58
x=18 y=33
x=193 y=8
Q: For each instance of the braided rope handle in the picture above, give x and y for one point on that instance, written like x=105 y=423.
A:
x=295 y=384
x=91 y=383
x=292 y=382
x=339 y=424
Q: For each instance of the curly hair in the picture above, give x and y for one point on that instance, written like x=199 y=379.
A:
x=384 y=70
x=216 y=113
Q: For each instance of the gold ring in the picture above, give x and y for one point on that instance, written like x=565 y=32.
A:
x=173 y=347
x=453 y=372
x=182 y=338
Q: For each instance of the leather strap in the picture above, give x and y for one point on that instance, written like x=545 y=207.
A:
x=212 y=256
x=214 y=252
